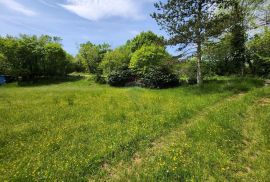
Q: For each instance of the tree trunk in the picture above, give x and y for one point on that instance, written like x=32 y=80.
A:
x=199 y=60
x=199 y=44
x=238 y=40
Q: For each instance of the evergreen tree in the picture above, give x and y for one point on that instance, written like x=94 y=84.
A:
x=190 y=24
x=243 y=16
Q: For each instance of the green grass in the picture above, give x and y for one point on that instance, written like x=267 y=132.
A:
x=81 y=131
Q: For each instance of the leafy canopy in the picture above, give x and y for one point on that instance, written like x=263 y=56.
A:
x=188 y=22
x=115 y=60
x=145 y=38
x=149 y=56
x=91 y=55
x=32 y=56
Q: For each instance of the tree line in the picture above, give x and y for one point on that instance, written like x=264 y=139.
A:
x=214 y=37
x=142 y=61
x=200 y=25
x=29 y=57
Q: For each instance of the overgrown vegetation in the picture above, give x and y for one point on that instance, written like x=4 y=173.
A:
x=31 y=57
x=76 y=131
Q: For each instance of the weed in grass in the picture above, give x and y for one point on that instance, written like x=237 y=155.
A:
x=73 y=131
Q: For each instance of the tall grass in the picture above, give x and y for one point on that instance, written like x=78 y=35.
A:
x=227 y=143
x=73 y=130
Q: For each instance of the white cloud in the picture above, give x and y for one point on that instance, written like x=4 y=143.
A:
x=13 y=5
x=50 y=4
x=100 y=9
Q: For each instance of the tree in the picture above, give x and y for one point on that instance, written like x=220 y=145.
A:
x=243 y=14
x=55 y=58
x=263 y=16
x=115 y=60
x=91 y=55
x=145 y=38
x=149 y=56
x=190 y=24
x=259 y=48
x=30 y=57
x=152 y=67
x=4 y=66
x=9 y=48
x=219 y=55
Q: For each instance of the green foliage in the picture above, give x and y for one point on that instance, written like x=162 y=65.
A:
x=31 y=56
x=256 y=55
x=72 y=64
x=127 y=64
x=145 y=39
x=4 y=66
x=153 y=68
x=9 y=48
x=190 y=25
x=183 y=19
x=238 y=37
x=91 y=55
x=259 y=49
x=260 y=45
x=149 y=64
x=219 y=55
x=117 y=59
x=55 y=56
x=121 y=77
x=98 y=78
x=187 y=70
x=242 y=17
x=160 y=77
x=149 y=56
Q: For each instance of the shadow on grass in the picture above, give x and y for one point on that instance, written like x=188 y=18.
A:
x=236 y=85
x=49 y=81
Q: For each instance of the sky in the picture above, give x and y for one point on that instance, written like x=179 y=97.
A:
x=79 y=21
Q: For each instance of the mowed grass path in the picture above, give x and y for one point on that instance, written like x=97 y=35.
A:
x=82 y=131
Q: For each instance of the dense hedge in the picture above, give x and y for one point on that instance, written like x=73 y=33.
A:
x=121 y=78
x=159 y=78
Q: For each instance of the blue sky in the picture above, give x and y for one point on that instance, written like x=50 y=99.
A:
x=78 y=21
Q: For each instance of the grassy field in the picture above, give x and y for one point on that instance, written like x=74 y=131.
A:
x=80 y=131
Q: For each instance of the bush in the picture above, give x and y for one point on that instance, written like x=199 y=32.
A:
x=159 y=78
x=259 y=51
x=100 y=79
x=115 y=60
x=120 y=78
x=149 y=56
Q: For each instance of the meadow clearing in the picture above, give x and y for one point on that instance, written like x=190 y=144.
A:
x=81 y=131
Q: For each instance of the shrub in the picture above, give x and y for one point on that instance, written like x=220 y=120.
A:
x=153 y=68
x=159 y=78
x=115 y=60
x=120 y=78
x=260 y=54
x=148 y=56
x=98 y=78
